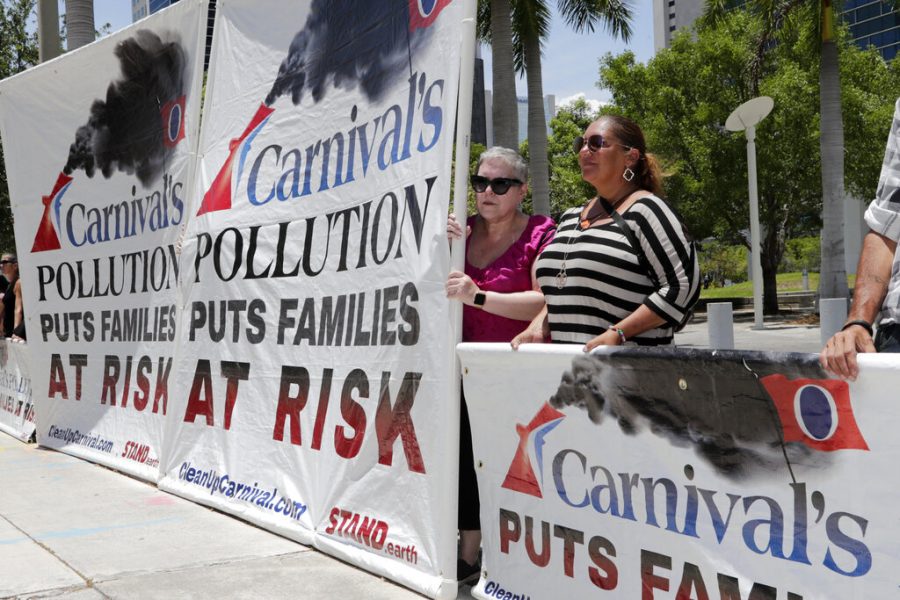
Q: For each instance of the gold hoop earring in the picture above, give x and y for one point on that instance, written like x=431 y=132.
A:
x=628 y=175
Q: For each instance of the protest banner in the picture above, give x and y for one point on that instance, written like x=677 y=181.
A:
x=311 y=392
x=99 y=150
x=663 y=473
x=16 y=407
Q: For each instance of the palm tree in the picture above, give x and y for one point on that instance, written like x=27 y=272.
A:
x=833 y=274
x=79 y=23
x=530 y=24
x=495 y=26
x=820 y=15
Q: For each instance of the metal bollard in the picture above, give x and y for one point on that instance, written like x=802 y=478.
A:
x=832 y=314
x=720 y=322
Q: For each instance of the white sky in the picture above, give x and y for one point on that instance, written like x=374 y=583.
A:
x=570 y=61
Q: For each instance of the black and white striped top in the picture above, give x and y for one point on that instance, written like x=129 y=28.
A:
x=604 y=280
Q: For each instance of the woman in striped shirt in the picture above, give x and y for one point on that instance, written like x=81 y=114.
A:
x=597 y=288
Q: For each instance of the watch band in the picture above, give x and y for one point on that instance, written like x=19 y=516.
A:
x=479 y=300
x=864 y=324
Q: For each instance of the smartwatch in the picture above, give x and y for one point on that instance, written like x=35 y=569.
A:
x=480 y=297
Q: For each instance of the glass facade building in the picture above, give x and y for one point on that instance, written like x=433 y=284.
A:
x=873 y=23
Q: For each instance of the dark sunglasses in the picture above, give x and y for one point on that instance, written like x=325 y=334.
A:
x=7 y=262
x=594 y=143
x=500 y=185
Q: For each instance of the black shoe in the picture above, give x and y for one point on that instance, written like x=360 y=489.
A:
x=466 y=573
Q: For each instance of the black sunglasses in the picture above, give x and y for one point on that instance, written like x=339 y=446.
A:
x=7 y=262
x=594 y=143
x=500 y=185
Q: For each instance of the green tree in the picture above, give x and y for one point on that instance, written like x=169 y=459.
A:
x=720 y=261
x=802 y=253
x=18 y=51
x=567 y=188
x=812 y=20
x=682 y=97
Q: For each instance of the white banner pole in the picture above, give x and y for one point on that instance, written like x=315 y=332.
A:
x=448 y=520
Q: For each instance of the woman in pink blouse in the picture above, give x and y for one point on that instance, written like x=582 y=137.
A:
x=500 y=294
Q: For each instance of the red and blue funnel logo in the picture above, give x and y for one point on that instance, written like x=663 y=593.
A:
x=218 y=196
x=816 y=412
x=46 y=238
x=521 y=475
x=172 y=114
x=422 y=13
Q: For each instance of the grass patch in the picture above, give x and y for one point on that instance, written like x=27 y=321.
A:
x=786 y=282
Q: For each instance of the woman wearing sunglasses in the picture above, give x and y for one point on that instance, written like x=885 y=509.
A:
x=500 y=294
x=603 y=284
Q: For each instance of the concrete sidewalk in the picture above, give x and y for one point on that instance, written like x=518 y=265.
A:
x=781 y=334
x=71 y=529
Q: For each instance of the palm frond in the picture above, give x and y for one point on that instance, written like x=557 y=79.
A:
x=483 y=21
x=584 y=15
x=531 y=18
x=714 y=12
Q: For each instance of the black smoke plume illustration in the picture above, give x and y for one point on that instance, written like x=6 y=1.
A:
x=709 y=400
x=348 y=43
x=125 y=131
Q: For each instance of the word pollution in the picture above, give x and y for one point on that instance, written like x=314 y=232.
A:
x=368 y=234
x=142 y=271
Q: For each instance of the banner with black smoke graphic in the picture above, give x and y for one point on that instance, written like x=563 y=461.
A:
x=99 y=148
x=311 y=391
x=682 y=473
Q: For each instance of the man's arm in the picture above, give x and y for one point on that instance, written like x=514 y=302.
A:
x=872 y=277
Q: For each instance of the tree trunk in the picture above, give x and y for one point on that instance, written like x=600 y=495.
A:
x=833 y=279
x=48 y=30
x=537 y=128
x=505 y=111
x=771 y=252
x=79 y=23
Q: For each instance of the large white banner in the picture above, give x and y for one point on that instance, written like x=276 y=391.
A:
x=16 y=406
x=311 y=392
x=683 y=474
x=99 y=152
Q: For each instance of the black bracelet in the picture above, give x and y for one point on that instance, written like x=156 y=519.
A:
x=864 y=324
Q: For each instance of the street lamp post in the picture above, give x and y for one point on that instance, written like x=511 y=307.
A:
x=745 y=118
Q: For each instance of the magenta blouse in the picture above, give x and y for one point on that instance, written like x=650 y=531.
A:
x=511 y=272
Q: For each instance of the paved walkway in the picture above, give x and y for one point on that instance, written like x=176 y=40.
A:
x=74 y=530
x=780 y=334
x=71 y=529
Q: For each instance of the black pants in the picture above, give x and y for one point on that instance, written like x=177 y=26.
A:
x=467 y=515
